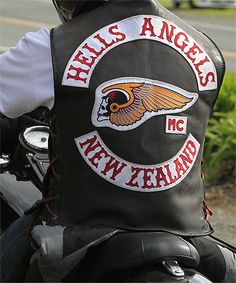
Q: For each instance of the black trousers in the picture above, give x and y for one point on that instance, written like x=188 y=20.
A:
x=217 y=263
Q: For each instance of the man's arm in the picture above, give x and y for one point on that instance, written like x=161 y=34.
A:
x=26 y=75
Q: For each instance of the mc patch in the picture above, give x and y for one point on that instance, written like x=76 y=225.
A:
x=176 y=125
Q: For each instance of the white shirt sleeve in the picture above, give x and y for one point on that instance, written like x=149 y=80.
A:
x=26 y=75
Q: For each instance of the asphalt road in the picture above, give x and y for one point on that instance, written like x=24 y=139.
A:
x=20 y=16
x=222 y=30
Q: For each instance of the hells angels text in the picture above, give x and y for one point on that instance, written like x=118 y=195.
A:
x=91 y=51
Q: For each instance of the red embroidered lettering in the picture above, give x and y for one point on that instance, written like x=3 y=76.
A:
x=194 y=52
x=169 y=32
x=145 y=178
x=191 y=147
x=147 y=27
x=185 y=157
x=171 y=177
x=133 y=181
x=77 y=76
x=199 y=64
x=210 y=77
x=161 y=177
x=155 y=28
x=90 y=143
x=84 y=60
x=103 y=41
x=92 y=50
x=178 y=123
x=120 y=35
x=181 y=43
x=115 y=166
x=147 y=184
x=179 y=168
x=171 y=124
x=98 y=156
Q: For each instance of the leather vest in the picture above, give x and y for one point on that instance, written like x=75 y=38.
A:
x=134 y=88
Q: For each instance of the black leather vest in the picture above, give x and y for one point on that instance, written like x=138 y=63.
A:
x=134 y=88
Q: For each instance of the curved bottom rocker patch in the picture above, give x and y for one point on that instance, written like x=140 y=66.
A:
x=136 y=177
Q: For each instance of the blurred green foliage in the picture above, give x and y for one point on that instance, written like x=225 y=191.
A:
x=217 y=12
x=167 y=3
x=220 y=145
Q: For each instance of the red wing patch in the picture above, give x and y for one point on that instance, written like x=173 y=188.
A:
x=125 y=103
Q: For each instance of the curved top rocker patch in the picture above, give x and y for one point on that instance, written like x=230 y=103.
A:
x=142 y=27
x=125 y=103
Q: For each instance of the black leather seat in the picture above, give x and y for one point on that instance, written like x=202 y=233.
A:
x=127 y=251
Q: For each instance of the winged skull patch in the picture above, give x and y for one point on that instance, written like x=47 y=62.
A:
x=125 y=103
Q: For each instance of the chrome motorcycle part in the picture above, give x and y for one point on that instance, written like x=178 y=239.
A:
x=173 y=268
x=4 y=161
x=37 y=137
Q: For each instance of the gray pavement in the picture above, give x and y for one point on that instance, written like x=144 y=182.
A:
x=20 y=16
x=221 y=29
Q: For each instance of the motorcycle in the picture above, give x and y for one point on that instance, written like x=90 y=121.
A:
x=22 y=174
x=125 y=257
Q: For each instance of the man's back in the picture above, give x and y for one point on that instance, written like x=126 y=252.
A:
x=136 y=87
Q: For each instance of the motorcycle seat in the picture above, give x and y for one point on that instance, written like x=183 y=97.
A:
x=126 y=251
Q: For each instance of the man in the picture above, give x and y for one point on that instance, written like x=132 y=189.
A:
x=130 y=89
